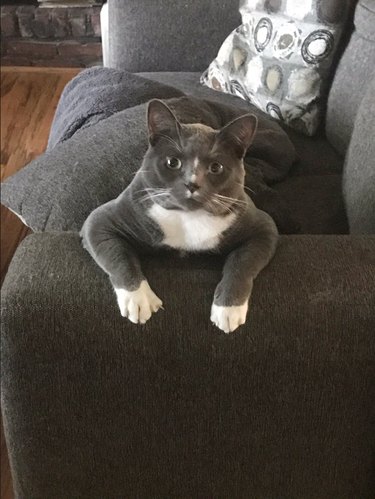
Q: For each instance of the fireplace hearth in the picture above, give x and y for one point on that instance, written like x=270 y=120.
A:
x=54 y=33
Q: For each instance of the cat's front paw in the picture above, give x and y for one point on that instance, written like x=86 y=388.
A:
x=228 y=319
x=138 y=305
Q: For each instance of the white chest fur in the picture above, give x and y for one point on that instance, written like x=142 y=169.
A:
x=190 y=230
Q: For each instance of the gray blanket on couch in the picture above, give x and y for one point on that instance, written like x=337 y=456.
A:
x=96 y=94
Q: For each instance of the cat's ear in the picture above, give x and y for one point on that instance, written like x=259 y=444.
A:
x=239 y=133
x=161 y=121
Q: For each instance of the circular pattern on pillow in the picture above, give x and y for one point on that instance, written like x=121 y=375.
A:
x=303 y=85
x=317 y=46
x=237 y=89
x=245 y=30
x=254 y=71
x=239 y=57
x=274 y=78
x=274 y=111
x=217 y=78
x=262 y=34
x=286 y=40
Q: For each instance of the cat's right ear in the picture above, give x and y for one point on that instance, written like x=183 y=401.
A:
x=161 y=122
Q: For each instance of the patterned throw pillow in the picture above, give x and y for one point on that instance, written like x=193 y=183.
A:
x=280 y=58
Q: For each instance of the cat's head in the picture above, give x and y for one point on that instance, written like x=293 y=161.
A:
x=194 y=166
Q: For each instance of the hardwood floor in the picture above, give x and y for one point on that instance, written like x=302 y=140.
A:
x=29 y=97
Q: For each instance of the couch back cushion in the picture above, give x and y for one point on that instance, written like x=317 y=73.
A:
x=168 y=35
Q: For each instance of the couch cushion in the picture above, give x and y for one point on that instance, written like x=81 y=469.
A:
x=316 y=202
x=166 y=35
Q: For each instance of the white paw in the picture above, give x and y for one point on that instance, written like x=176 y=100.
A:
x=139 y=305
x=229 y=318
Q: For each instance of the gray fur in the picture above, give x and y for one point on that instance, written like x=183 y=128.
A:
x=120 y=230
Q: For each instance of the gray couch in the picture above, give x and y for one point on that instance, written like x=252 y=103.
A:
x=95 y=407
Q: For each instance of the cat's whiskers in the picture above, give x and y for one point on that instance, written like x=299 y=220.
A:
x=153 y=193
x=221 y=204
x=140 y=171
x=151 y=197
x=153 y=189
x=227 y=203
x=209 y=200
x=231 y=200
x=246 y=188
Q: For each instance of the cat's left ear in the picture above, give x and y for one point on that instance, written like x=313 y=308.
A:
x=239 y=133
x=161 y=121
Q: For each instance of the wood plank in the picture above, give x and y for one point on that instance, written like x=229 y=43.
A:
x=29 y=97
x=28 y=104
x=36 y=69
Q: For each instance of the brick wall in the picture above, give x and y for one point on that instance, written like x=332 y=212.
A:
x=35 y=36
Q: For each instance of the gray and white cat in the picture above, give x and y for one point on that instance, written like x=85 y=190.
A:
x=189 y=196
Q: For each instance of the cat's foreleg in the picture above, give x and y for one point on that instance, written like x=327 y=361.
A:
x=115 y=255
x=243 y=264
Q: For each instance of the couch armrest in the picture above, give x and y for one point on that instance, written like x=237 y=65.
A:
x=96 y=407
x=359 y=168
x=353 y=74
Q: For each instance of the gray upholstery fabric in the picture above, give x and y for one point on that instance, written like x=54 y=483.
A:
x=95 y=407
x=354 y=72
x=166 y=35
x=316 y=203
x=359 y=171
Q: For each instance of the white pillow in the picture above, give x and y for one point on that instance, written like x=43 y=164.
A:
x=280 y=58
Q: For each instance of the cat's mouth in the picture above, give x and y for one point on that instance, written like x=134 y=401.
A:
x=193 y=195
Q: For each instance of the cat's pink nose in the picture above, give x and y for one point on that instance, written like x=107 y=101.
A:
x=192 y=186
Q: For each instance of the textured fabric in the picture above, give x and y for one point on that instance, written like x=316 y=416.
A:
x=280 y=57
x=316 y=203
x=166 y=35
x=359 y=171
x=59 y=190
x=354 y=72
x=95 y=407
x=96 y=94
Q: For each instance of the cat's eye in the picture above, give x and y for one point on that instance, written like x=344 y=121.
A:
x=173 y=163
x=215 y=168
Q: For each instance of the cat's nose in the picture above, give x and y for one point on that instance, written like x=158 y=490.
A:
x=192 y=186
